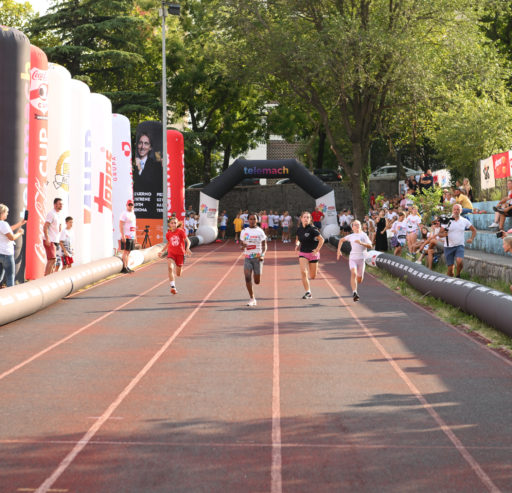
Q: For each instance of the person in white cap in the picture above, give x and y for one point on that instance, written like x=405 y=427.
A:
x=127 y=226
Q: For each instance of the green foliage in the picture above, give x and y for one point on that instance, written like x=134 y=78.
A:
x=428 y=203
x=17 y=15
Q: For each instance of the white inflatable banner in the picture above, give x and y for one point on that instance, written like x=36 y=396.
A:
x=208 y=213
x=101 y=143
x=122 y=182
x=327 y=204
x=59 y=136
x=80 y=109
x=487 y=174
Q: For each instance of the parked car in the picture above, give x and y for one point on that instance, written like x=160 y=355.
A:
x=388 y=172
x=283 y=181
x=196 y=185
x=247 y=182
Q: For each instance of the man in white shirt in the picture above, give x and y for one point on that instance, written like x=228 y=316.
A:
x=254 y=242
x=453 y=234
x=128 y=228
x=51 y=235
x=223 y=223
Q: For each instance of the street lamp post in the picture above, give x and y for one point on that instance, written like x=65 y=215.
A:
x=172 y=9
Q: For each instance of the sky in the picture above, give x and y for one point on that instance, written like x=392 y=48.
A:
x=40 y=5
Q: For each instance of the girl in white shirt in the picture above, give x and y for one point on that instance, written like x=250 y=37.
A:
x=413 y=227
x=359 y=242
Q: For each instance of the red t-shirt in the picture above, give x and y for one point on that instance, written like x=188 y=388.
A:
x=176 y=242
x=317 y=216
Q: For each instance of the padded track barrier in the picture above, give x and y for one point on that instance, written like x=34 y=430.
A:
x=24 y=299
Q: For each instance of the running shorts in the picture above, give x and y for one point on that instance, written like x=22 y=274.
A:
x=179 y=260
x=311 y=257
x=358 y=264
x=253 y=264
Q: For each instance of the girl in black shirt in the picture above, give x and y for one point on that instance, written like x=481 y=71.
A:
x=308 y=244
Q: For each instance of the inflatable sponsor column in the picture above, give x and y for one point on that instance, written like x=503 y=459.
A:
x=14 y=134
x=35 y=256
x=122 y=184
x=80 y=173
x=147 y=182
x=59 y=135
x=176 y=174
x=101 y=140
x=327 y=204
x=207 y=230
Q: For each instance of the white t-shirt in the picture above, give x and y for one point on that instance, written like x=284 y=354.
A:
x=286 y=221
x=6 y=245
x=413 y=223
x=244 y=217
x=391 y=215
x=276 y=219
x=358 y=250
x=53 y=217
x=399 y=228
x=129 y=224
x=253 y=238
x=456 y=232
x=341 y=219
x=271 y=220
x=67 y=236
x=223 y=220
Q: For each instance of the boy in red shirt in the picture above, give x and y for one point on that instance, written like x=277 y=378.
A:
x=178 y=245
x=317 y=215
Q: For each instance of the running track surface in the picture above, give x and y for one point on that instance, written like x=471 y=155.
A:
x=126 y=388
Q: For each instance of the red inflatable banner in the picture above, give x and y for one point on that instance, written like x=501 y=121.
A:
x=176 y=174
x=37 y=163
x=501 y=165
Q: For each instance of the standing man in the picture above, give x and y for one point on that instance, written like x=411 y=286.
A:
x=254 y=242
x=51 y=235
x=426 y=180
x=453 y=234
x=67 y=240
x=127 y=226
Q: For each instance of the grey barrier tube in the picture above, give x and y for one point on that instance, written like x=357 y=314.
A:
x=491 y=306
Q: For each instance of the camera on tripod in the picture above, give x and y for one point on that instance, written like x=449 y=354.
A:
x=147 y=240
x=445 y=221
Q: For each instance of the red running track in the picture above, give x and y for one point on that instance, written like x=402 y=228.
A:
x=126 y=388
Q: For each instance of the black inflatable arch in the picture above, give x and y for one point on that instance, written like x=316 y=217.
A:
x=277 y=168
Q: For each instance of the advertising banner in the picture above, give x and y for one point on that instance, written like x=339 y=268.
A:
x=147 y=182
x=501 y=163
x=442 y=177
x=35 y=256
x=176 y=174
x=59 y=132
x=14 y=132
x=122 y=186
x=80 y=173
x=327 y=205
x=208 y=215
x=487 y=174
x=102 y=244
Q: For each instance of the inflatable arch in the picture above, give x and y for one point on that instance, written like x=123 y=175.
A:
x=285 y=168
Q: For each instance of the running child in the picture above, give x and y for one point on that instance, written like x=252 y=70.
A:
x=254 y=242
x=308 y=243
x=359 y=242
x=178 y=245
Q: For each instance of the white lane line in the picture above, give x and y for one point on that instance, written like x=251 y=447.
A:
x=475 y=466
x=90 y=324
x=80 y=445
x=276 y=470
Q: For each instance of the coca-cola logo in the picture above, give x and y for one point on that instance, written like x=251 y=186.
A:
x=39 y=74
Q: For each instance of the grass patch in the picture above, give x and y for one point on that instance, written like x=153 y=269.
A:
x=449 y=313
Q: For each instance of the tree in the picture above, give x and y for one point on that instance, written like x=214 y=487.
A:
x=109 y=44
x=14 y=14
x=357 y=63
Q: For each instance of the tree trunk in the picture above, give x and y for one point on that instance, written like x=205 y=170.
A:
x=227 y=157
x=321 y=144
x=206 y=149
x=358 y=156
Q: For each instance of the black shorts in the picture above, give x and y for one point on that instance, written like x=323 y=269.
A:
x=128 y=245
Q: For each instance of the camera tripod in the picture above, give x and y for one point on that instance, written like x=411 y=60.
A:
x=146 y=242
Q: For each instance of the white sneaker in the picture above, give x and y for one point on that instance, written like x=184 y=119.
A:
x=494 y=225
x=418 y=262
x=252 y=302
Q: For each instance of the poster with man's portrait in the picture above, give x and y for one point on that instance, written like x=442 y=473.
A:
x=147 y=181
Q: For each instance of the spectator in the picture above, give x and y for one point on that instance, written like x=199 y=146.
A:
x=7 y=239
x=413 y=228
x=128 y=228
x=66 y=241
x=399 y=229
x=468 y=190
x=317 y=216
x=507 y=247
x=426 y=181
x=503 y=208
x=412 y=185
x=462 y=199
x=223 y=224
x=51 y=233
x=453 y=234
x=434 y=245
x=381 y=239
x=238 y=222
x=287 y=223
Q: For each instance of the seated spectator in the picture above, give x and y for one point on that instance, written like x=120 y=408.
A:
x=503 y=208
x=462 y=199
x=507 y=245
x=432 y=244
